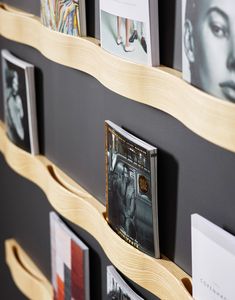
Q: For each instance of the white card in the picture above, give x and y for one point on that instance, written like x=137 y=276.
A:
x=213 y=261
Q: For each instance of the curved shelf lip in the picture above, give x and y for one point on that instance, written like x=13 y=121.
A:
x=160 y=276
x=26 y=275
x=207 y=116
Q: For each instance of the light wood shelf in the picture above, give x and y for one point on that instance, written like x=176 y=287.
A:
x=162 y=88
x=26 y=275
x=160 y=276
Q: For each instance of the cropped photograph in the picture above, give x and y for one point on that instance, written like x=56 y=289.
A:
x=208 y=46
x=19 y=102
x=65 y=16
x=130 y=197
x=15 y=105
x=124 y=37
x=117 y=288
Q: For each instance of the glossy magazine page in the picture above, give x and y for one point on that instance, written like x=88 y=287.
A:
x=126 y=31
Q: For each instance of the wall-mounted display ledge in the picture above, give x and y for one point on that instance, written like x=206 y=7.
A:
x=25 y=273
x=160 y=276
x=162 y=88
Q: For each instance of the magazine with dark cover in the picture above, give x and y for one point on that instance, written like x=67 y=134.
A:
x=131 y=189
x=207 y=42
x=19 y=102
x=69 y=261
x=117 y=288
x=66 y=16
x=130 y=29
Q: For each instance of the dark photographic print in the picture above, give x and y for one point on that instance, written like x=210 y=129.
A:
x=131 y=189
x=129 y=29
x=208 y=46
x=19 y=102
x=117 y=289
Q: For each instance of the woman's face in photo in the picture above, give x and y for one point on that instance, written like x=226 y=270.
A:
x=15 y=83
x=213 y=67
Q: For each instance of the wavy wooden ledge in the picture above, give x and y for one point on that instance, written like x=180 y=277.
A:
x=162 y=88
x=160 y=276
x=26 y=274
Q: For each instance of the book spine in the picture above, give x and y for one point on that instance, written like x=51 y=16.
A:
x=106 y=171
x=154 y=32
x=154 y=191
x=32 y=111
x=82 y=16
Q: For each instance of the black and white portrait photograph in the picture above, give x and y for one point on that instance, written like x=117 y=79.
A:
x=19 y=103
x=209 y=46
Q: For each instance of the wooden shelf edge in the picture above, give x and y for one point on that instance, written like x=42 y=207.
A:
x=161 y=88
x=26 y=274
x=160 y=276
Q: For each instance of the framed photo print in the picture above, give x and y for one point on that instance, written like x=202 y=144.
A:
x=19 y=102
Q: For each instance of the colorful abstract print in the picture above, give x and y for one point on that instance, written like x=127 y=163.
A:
x=61 y=15
x=68 y=264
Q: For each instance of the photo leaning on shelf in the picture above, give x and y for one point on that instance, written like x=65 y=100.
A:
x=131 y=189
x=129 y=29
x=65 y=16
x=213 y=261
x=117 y=288
x=208 y=37
x=69 y=262
x=19 y=102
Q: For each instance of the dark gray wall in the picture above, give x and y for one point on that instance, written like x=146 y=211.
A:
x=194 y=176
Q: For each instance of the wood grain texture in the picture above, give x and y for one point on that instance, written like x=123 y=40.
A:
x=162 y=88
x=26 y=274
x=160 y=276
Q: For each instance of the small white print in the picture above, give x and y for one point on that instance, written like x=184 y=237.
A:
x=213 y=290
x=125 y=2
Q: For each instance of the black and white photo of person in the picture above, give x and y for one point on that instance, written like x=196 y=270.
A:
x=209 y=46
x=128 y=203
x=15 y=105
x=123 y=187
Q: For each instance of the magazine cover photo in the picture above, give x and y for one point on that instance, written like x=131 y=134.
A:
x=129 y=191
x=15 y=104
x=65 y=16
x=208 y=46
x=124 y=37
